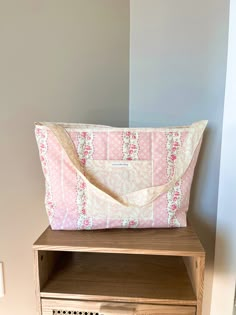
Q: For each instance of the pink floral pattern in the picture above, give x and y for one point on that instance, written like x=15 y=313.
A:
x=174 y=195
x=81 y=196
x=85 y=146
x=131 y=165
x=130 y=222
x=85 y=222
x=85 y=151
x=130 y=145
x=42 y=137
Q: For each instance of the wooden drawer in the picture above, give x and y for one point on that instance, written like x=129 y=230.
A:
x=73 y=307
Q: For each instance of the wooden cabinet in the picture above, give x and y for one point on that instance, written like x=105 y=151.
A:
x=142 y=272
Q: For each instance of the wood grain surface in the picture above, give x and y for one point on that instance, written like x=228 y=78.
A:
x=176 y=242
x=123 y=278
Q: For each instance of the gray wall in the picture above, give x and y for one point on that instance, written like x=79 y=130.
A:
x=59 y=61
x=177 y=76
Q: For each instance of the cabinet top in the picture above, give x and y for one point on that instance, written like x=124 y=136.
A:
x=172 y=242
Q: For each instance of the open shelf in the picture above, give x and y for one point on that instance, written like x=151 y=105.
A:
x=124 y=278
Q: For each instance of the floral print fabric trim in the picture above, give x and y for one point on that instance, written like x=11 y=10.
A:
x=130 y=145
x=130 y=222
x=42 y=137
x=85 y=146
x=81 y=196
x=174 y=195
x=84 y=221
x=85 y=151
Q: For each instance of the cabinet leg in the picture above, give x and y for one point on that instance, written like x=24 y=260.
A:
x=36 y=282
x=201 y=269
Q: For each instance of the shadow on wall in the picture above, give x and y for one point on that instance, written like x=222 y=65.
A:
x=203 y=218
x=204 y=228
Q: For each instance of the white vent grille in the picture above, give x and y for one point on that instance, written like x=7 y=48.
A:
x=64 y=312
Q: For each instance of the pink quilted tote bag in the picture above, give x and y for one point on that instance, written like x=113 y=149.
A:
x=99 y=177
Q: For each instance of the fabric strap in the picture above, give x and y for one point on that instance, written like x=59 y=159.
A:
x=143 y=197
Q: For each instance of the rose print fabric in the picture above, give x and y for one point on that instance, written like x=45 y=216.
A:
x=99 y=177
